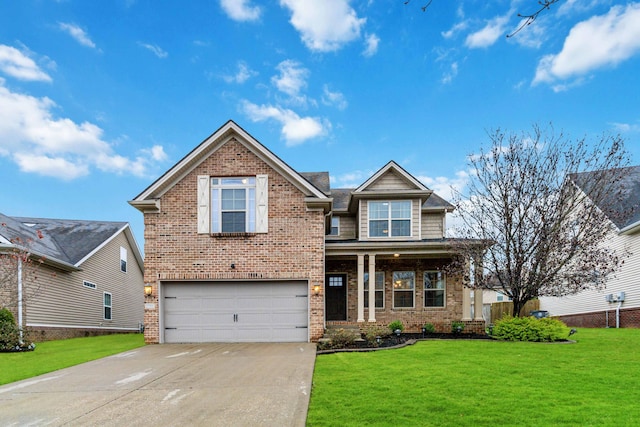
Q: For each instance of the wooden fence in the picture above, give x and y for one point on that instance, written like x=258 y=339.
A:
x=499 y=309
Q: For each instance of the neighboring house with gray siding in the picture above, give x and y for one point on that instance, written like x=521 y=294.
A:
x=619 y=303
x=85 y=278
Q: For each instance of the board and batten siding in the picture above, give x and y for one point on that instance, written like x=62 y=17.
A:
x=626 y=280
x=61 y=300
x=432 y=225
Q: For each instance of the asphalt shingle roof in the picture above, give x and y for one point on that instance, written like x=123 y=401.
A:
x=63 y=239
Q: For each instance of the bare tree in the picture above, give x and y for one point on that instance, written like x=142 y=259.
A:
x=544 y=234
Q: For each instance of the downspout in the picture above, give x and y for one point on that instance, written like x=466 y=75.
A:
x=618 y=314
x=20 y=296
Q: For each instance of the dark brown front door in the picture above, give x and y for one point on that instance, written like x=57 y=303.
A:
x=336 y=285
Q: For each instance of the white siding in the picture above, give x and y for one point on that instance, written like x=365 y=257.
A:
x=627 y=280
x=61 y=298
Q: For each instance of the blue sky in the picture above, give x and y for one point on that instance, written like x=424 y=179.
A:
x=98 y=99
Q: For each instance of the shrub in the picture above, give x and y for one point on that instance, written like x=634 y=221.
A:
x=6 y=316
x=10 y=339
x=457 y=327
x=530 y=329
x=396 y=324
x=429 y=328
x=371 y=334
x=341 y=338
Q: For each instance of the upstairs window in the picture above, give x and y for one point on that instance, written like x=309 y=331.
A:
x=233 y=205
x=335 y=226
x=123 y=259
x=434 y=289
x=390 y=219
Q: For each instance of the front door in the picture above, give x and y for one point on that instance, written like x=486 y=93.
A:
x=336 y=302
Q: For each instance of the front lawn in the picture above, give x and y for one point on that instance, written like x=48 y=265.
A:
x=488 y=383
x=53 y=355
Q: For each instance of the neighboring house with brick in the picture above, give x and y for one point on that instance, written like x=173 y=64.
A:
x=241 y=247
x=84 y=277
x=619 y=303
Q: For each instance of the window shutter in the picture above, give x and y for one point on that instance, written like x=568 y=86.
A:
x=262 y=203
x=204 y=210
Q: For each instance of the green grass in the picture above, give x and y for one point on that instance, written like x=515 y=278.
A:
x=594 y=382
x=53 y=355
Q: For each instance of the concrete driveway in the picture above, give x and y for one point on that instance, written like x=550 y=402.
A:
x=171 y=385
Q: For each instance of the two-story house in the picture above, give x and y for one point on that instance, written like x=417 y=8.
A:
x=241 y=247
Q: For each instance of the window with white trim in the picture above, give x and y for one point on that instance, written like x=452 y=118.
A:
x=335 y=226
x=89 y=285
x=435 y=286
x=233 y=205
x=404 y=286
x=379 y=289
x=123 y=259
x=107 y=305
x=389 y=218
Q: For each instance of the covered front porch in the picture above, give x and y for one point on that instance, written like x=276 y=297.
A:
x=411 y=285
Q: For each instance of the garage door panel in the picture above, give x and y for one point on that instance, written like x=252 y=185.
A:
x=236 y=312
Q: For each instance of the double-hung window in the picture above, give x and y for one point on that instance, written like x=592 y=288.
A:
x=434 y=289
x=335 y=226
x=123 y=259
x=107 y=305
x=390 y=218
x=403 y=289
x=233 y=205
x=379 y=289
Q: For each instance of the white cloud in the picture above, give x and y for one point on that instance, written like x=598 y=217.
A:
x=371 y=42
x=242 y=74
x=292 y=78
x=295 y=129
x=450 y=74
x=336 y=99
x=325 y=25
x=240 y=10
x=600 y=41
x=40 y=143
x=457 y=28
x=488 y=35
x=17 y=64
x=77 y=33
x=446 y=187
x=157 y=50
x=625 y=127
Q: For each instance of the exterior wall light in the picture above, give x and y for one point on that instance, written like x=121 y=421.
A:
x=316 y=290
x=148 y=289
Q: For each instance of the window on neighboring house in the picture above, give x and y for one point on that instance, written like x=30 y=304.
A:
x=379 y=289
x=499 y=297
x=233 y=203
x=434 y=289
x=107 y=306
x=335 y=226
x=123 y=259
x=390 y=219
x=403 y=289
x=89 y=285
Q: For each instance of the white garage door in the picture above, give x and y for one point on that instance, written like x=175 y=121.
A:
x=235 y=312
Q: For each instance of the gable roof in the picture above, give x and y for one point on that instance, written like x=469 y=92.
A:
x=64 y=243
x=622 y=205
x=148 y=200
x=393 y=167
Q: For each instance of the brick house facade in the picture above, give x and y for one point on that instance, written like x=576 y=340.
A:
x=237 y=249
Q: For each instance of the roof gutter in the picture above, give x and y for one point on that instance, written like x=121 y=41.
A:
x=631 y=228
x=52 y=262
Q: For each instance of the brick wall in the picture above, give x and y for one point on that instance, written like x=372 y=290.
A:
x=293 y=248
x=629 y=318
x=413 y=318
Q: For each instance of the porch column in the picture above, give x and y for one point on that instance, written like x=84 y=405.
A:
x=372 y=288
x=466 y=303
x=360 y=288
x=477 y=293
